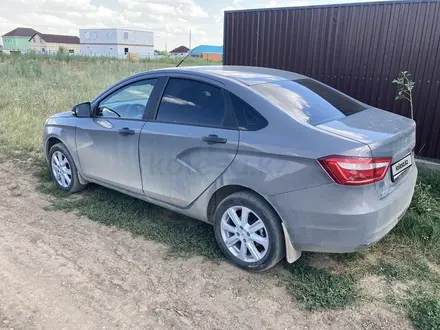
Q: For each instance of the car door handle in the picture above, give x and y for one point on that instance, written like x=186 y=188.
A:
x=126 y=131
x=212 y=139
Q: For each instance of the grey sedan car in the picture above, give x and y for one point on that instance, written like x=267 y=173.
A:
x=279 y=163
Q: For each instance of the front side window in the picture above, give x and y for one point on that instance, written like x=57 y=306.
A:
x=309 y=101
x=192 y=102
x=127 y=103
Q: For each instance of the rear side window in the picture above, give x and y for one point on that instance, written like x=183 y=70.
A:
x=309 y=101
x=248 y=118
x=191 y=102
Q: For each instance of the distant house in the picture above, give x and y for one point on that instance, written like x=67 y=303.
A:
x=18 y=39
x=179 y=51
x=214 y=53
x=116 y=42
x=51 y=43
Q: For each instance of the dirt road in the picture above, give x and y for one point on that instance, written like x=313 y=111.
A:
x=58 y=271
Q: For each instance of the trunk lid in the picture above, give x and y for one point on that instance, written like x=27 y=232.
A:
x=387 y=135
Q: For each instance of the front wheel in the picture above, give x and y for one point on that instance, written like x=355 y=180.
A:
x=249 y=231
x=63 y=169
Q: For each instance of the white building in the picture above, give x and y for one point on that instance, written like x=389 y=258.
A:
x=116 y=42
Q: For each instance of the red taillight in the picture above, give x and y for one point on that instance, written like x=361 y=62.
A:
x=355 y=171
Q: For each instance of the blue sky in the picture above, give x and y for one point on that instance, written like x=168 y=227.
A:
x=170 y=20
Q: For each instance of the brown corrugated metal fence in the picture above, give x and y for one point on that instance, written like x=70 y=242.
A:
x=358 y=49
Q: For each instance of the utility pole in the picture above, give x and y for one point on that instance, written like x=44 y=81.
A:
x=189 y=39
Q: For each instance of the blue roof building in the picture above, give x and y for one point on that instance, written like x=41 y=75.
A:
x=214 y=53
x=206 y=49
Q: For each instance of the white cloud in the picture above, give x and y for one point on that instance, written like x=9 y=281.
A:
x=184 y=8
x=157 y=8
x=191 y=10
x=236 y=5
x=47 y=19
x=275 y=3
x=301 y=3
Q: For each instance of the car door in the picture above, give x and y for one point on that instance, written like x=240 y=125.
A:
x=108 y=143
x=190 y=141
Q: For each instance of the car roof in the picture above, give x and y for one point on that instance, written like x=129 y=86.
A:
x=247 y=75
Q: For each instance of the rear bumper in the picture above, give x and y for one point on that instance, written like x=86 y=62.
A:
x=334 y=218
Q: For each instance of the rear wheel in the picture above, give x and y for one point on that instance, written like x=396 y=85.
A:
x=63 y=169
x=249 y=231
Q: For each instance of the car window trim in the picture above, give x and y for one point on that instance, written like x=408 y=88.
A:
x=115 y=88
x=152 y=114
x=229 y=119
x=117 y=118
x=155 y=97
x=122 y=84
x=120 y=89
x=196 y=125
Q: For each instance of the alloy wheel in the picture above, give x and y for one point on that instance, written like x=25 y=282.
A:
x=244 y=234
x=61 y=169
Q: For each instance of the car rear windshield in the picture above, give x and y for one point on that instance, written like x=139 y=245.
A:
x=309 y=101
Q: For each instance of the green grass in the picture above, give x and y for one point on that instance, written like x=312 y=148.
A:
x=399 y=271
x=39 y=86
x=418 y=232
x=424 y=309
x=320 y=289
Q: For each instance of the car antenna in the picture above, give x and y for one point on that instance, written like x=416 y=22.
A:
x=189 y=53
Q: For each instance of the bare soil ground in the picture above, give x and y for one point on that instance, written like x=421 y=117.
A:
x=59 y=271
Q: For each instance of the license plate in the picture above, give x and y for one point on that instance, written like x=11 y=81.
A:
x=399 y=167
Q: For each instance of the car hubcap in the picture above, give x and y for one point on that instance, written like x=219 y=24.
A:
x=61 y=169
x=244 y=234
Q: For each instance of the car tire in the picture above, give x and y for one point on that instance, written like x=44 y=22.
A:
x=60 y=172
x=265 y=247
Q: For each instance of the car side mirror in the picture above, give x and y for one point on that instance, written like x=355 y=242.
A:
x=82 y=110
